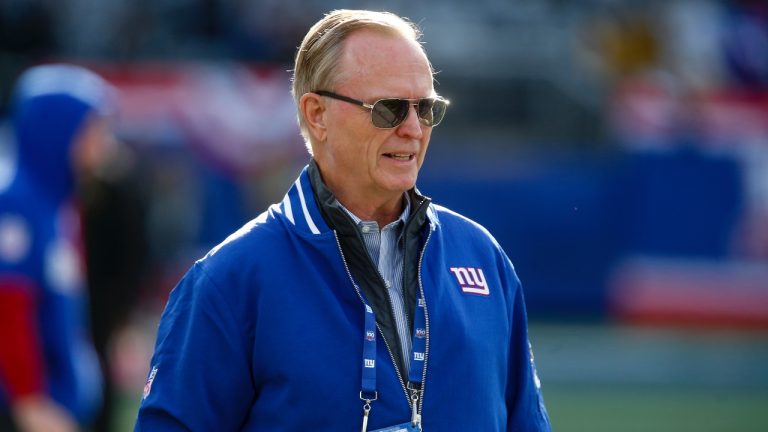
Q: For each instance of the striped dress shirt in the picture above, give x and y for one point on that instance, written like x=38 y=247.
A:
x=385 y=247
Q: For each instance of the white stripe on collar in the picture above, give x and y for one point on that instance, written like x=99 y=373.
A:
x=287 y=206
x=310 y=222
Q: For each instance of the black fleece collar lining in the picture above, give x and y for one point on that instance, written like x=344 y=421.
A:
x=364 y=271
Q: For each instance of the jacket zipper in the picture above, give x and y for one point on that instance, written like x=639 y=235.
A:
x=426 y=324
x=360 y=295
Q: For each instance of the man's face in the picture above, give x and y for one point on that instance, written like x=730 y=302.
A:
x=359 y=161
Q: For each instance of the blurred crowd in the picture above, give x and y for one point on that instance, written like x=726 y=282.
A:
x=554 y=66
x=666 y=99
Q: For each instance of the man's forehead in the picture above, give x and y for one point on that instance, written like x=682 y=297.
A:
x=372 y=55
x=371 y=46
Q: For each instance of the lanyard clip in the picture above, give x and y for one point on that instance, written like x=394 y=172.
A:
x=366 y=411
x=367 y=398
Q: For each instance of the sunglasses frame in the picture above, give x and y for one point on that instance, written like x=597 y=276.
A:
x=412 y=102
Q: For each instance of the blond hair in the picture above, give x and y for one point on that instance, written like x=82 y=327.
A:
x=318 y=57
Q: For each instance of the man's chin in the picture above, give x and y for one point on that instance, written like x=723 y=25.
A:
x=401 y=186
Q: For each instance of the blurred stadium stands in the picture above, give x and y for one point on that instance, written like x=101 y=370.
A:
x=617 y=149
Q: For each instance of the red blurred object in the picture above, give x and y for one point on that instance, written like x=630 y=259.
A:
x=239 y=117
x=719 y=294
x=659 y=112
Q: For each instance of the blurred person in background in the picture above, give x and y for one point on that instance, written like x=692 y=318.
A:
x=355 y=301
x=50 y=378
x=114 y=212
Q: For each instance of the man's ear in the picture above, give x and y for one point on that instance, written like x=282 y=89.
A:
x=313 y=108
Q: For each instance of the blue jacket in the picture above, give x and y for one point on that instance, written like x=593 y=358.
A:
x=266 y=334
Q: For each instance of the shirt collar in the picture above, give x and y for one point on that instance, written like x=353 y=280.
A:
x=338 y=219
x=401 y=220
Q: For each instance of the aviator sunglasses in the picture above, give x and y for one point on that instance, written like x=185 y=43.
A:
x=389 y=113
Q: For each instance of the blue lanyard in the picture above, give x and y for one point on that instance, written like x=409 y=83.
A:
x=418 y=344
x=369 y=355
x=417 y=357
x=418 y=349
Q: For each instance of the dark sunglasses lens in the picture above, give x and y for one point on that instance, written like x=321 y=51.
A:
x=431 y=111
x=388 y=113
x=425 y=111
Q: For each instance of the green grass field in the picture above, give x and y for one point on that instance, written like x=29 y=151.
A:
x=632 y=409
x=611 y=378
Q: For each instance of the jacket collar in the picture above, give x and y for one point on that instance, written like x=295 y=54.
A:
x=313 y=209
x=299 y=206
x=338 y=218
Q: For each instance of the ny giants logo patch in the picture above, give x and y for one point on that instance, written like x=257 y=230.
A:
x=471 y=280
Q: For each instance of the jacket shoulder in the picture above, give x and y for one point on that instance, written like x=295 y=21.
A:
x=251 y=240
x=458 y=224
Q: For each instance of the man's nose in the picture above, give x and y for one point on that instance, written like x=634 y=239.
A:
x=411 y=126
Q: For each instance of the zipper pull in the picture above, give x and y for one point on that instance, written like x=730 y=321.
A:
x=415 y=416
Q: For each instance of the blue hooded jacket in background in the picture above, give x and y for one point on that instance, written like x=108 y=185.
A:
x=39 y=225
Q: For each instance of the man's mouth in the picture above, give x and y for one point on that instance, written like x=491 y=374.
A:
x=399 y=156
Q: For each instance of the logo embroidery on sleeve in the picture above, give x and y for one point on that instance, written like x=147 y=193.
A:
x=148 y=385
x=471 y=280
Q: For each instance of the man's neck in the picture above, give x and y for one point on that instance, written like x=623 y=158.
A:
x=383 y=211
x=383 y=207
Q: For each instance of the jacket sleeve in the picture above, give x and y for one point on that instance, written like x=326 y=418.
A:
x=525 y=406
x=199 y=377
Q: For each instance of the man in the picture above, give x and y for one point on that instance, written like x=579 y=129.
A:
x=49 y=375
x=355 y=302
